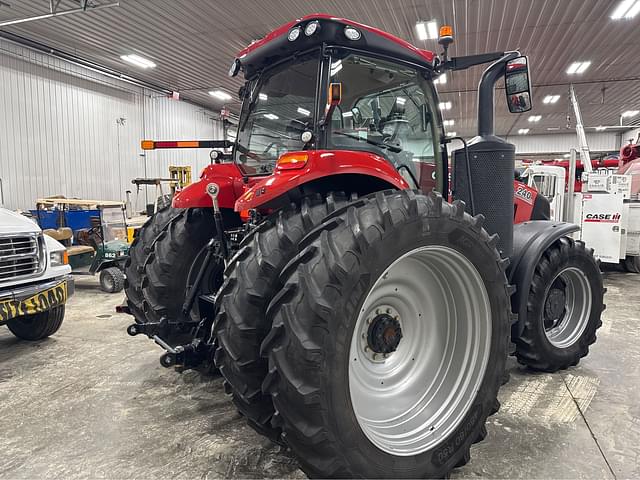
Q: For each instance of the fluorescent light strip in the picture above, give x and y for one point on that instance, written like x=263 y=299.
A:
x=551 y=99
x=219 y=94
x=578 y=67
x=441 y=80
x=523 y=131
x=138 y=61
x=630 y=113
x=303 y=111
x=263 y=96
x=452 y=134
x=535 y=118
x=624 y=8
x=448 y=123
x=427 y=30
x=445 y=105
x=271 y=116
x=432 y=29
x=633 y=11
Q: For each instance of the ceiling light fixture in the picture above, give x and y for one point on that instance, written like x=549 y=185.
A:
x=452 y=134
x=303 y=111
x=551 y=99
x=271 y=116
x=427 y=30
x=445 y=105
x=600 y=128
x=441 y=80
x=523 y=131
x=535 y=118
x=578 y=67
x=630 y=113
x=219 y=94
x=626 y=9
x=448 y=123
x=138 y=61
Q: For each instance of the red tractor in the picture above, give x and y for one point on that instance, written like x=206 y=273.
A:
x=357 y=320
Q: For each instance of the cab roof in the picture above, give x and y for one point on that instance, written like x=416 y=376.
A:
x=276 y=46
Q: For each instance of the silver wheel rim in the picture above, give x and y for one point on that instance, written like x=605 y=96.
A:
x=411 y=400
x=570 y=325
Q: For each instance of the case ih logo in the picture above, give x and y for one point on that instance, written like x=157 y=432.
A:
x=602 y=217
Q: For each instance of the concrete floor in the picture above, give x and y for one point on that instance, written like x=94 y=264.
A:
x=92 y=402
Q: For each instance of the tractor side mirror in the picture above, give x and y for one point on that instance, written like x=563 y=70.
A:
x=518 y=85
x=334 y=98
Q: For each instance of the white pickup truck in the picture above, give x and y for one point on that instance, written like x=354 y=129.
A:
x=35 y=278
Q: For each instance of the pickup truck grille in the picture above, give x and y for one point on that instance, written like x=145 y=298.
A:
x=21 y=256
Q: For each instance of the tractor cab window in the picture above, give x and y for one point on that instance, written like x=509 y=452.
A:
x=279 y=108
x=387 y=109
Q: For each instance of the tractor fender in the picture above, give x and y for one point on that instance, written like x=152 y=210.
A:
x=530 y=241
x=226 y=175
x=320 y=164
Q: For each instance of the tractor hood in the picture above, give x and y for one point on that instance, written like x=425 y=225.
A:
x=12 y=222
x=279 y=44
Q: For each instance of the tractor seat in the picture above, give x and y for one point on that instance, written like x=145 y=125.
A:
x=61 y=234
x=79 y=249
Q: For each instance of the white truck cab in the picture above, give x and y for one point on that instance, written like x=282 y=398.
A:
x=35 y=278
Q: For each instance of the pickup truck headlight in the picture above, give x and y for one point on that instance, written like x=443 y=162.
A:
x=58 y=259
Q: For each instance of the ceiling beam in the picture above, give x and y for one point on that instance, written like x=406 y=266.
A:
x=55 y=13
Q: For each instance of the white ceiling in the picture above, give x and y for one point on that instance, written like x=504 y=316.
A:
x=194 y=41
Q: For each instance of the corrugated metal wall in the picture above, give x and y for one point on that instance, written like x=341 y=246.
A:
x=61 y=131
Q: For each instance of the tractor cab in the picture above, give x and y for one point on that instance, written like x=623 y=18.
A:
x=351 y=89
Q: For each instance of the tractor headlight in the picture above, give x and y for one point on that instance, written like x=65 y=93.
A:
x=294 y=33
x=351 y=33
x=58 y=259
x=311 y=28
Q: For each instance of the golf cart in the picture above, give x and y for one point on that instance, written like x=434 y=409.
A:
x=94 y=233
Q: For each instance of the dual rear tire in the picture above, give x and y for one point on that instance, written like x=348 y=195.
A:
x=163 y=262
x=354 y=333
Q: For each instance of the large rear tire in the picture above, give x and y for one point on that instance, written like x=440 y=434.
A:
x=389 y=339
x=252 y=279
x=163 y=265
x=37 y=326
x=140 y=249
x=564 y=307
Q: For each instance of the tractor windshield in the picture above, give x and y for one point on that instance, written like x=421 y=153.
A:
x=389 y=109
x=279 y=108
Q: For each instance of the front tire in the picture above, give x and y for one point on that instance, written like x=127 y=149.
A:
x=564 y=307
x=37 y=326
x=395 y=289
